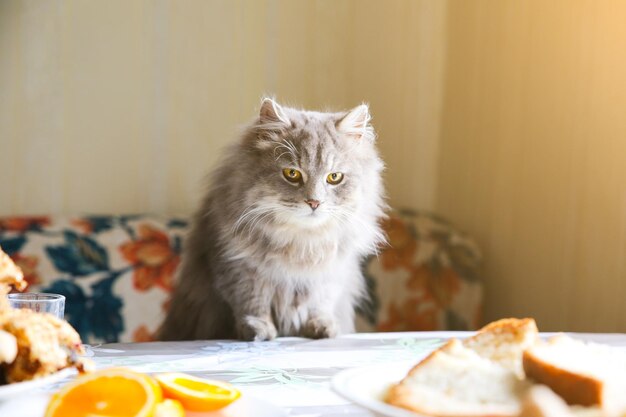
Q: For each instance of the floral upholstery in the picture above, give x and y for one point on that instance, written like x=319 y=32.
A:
x=426 y=278
x=117 y=272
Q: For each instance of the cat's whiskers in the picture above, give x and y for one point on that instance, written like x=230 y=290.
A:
x=289 y=148
x=252 y=224
x=280 y=156
x=251 y=210
x=255 y=214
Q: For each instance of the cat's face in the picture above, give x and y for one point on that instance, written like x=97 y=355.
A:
x=314 y=168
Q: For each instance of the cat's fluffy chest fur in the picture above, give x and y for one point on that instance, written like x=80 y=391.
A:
x=276 y=245
x=296 y=268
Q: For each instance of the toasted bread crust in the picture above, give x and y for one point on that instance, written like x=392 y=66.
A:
x=508 y=325
x=574 y=388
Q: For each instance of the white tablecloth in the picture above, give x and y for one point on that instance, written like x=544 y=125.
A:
x=292 y=373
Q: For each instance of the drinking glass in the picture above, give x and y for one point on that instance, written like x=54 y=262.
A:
x=41 y=302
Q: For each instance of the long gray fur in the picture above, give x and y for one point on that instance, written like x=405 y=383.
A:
x=258 y=261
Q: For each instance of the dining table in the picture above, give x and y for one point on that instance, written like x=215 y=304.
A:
x=292 y=375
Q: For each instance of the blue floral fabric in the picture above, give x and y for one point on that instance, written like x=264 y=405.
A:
x=116 y=272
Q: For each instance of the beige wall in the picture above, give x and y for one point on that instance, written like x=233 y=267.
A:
x=507 y=117
x=533 y=155
x=122 y=106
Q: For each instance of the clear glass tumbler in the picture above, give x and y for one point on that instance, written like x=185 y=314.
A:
x=41 y=302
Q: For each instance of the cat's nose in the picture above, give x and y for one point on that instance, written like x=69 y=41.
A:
x=313 y=203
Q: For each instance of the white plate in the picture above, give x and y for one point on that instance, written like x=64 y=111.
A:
x=10 y=391
x=366 y=386
x=247 y=406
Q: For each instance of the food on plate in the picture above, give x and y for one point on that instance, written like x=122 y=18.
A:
x=121 y=392
x=586 y=374
x=477 y=377
x=541 y=401
x=32 y=344
x=45 y=345
x=197 y=394
x=110 y=392
x=504 y=341
x=507 y=370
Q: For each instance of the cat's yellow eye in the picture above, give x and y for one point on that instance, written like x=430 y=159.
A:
x=334 y=178
x=292 y=175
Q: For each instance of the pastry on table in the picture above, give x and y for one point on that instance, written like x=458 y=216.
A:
x=32 y=344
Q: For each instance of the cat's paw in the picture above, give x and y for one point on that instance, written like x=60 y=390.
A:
x=257 y=329
x=320 y=328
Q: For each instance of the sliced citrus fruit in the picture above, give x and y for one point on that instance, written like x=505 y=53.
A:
x=197 y=394
x=169 y=408
x=110 y=392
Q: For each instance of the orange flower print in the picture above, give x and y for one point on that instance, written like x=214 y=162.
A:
x=142 y=334
x=28 y=264
x=402 y=245
x=420 y=276
x=23 y=223
x=154 y=260
x=410 y=316
x=84 y=225
x=439 y=286
x=444 y=286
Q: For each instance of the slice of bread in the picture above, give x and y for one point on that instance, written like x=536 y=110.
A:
x=504 y=341
x=541 y=401
x=456 y=381
x=481 y=376
x=581 y=373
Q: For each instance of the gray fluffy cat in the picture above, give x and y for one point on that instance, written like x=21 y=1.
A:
x=276 y=246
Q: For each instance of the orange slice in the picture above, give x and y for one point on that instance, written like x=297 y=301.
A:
x=169 y=408
x=197 y=394
x=110 y=392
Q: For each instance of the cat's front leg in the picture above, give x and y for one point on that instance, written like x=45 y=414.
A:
x=250 y=299
x=320 y=325
x=256 y=328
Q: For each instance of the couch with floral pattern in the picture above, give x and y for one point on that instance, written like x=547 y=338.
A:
x=117 y=272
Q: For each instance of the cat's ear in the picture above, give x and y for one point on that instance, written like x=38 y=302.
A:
x=272 y=113
x=355 y=123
